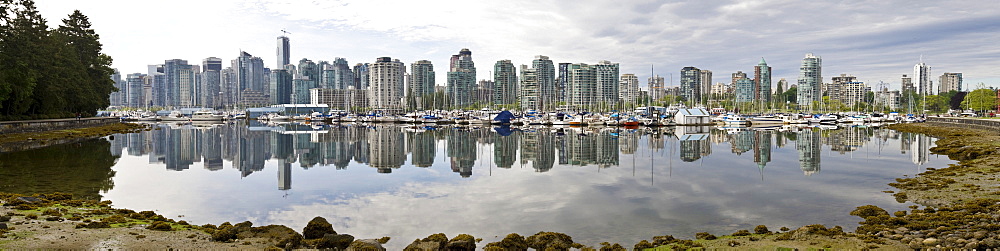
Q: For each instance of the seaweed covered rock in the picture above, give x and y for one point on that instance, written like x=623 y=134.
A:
x=605 y=246
x=761 y=229
x=365 y=245
x=282 y=236
x=94 y=224
x=551 y=241
x=317 y=228
x=869 y=211
x=462 y=242
x=431 y=242
x=334 y=241
x=160 y=226
x=704 y=236
x=513 y=242
x=815 y=229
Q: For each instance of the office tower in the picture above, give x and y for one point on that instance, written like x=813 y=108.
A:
x=581 y=87
x=230 y=88
x=505 y=83
x=134 y=96
x=461 y=79
x=421 y=82
x=950 y=81
x=546 y=73
x=762 y=82
x=307 y=69
x=657 y=90
x=530 y=88
x=361 y=76
x=606 y=80
x=922 y=79
x=283 y=52
x=211 y=82
x=180 y=87
x=628 y=88
x=706 y=85
x=117 y=97
x=744 y=90
x=906 y=84
x=838 y=87
x=691 y=84
x=303 y=79
x=343 y=77
x=248 y=73
x=281 y=87
x=854 y=93
x=560 y=88
x=386 y=79
x=810 y=79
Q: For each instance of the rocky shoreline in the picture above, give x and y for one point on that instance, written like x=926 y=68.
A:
x=961 y=210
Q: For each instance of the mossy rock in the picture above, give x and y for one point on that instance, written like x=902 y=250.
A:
x=365 y=245
x=317 y=228
x=462 y=242
x=704 y=236
x=334 y=241
x=513 y=242
x=160 y=226
x=551 y=241
x=94 y=224
x=761 y=229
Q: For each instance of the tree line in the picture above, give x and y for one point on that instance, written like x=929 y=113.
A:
x=50 y=73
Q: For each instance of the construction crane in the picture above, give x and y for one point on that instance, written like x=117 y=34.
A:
x=285 y=32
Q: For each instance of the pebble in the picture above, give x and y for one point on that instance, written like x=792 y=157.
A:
x=930 y=241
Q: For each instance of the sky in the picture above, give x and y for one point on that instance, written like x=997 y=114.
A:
x=874 y=40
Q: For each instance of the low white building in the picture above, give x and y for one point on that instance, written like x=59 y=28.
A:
x=696 y=116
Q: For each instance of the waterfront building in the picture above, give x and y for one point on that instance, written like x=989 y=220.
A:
x=339 y=75
x=284 y=50
x=810 y=79
x=657 y=88
x=361 y=76
x=117 y=98
x=561 y=78
x=249 y=76
x=461 y=79
x=854 y=93
x=339 y=99
x=719 y=90
x=762 y=82
x=837 y=88
x=705 y=79
x=530 y=88
x=180 y=87
x=606 y=80
x=922 y=79
x=421 y=82
x=628 y=88
x=546 y=72
x=744 y=90
x=281 y=86
x=950 y=82
x=807 y=143
x=906 y=84
x=505 y=83
x=886 y=98
x=386 y=80
x=211 y=82
x=134 y=95
x=581 y=87
x=309 y=70
x=691 y=84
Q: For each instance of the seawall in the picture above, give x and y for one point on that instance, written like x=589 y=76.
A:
x=41 y=125
x=973 y=122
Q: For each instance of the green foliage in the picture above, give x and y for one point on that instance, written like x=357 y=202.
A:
x=50 y=73
x=981 y=100
x=936 y=103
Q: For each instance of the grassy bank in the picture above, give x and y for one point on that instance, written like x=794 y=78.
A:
x=24 y=141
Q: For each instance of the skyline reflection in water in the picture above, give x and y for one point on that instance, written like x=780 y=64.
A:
x=596 y=184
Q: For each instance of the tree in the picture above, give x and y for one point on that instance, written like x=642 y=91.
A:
x=937 y=103
x=955 y=102
x=981 y=100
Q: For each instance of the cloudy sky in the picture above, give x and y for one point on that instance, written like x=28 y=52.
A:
x=873 y=40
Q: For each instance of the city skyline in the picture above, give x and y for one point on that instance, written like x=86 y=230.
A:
x=665 y=35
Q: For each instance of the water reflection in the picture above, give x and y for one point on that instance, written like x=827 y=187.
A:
x=597 y=184
x=387 y=147
x=82 y=168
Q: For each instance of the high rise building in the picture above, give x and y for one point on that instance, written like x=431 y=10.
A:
x=484 y=91
x=628 y=88
x=421 y=82
x=505 y=83
x=361 y=77
x=657 y=90
x=762 y=82
x=950 y=81
x=281 y=86
x=744 y=90
x=249 y=76
x=343 y=77
x=691 y=84
x=906 y=84
x=546 y=73
x=386 y=80
x=180 y=91
x=211 y=82
x=737 y=76
x=837 y=89
x=305 y=78
x=530 y=89
x=283 y=52
x=810 y=79
x=606 y=80
x=581 y=87
x=561 y=78
x=706 y=84
x=854 y=93
x=134 y=96
x=922 y=79
x=461 y=79
x=117 y=98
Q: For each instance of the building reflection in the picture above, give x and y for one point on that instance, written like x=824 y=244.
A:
x=253 y=146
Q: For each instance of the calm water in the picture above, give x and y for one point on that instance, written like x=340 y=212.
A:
x=594 y=184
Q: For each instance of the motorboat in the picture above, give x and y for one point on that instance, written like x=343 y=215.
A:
x=734 y=119
x=206 y=116
x=760 y=120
